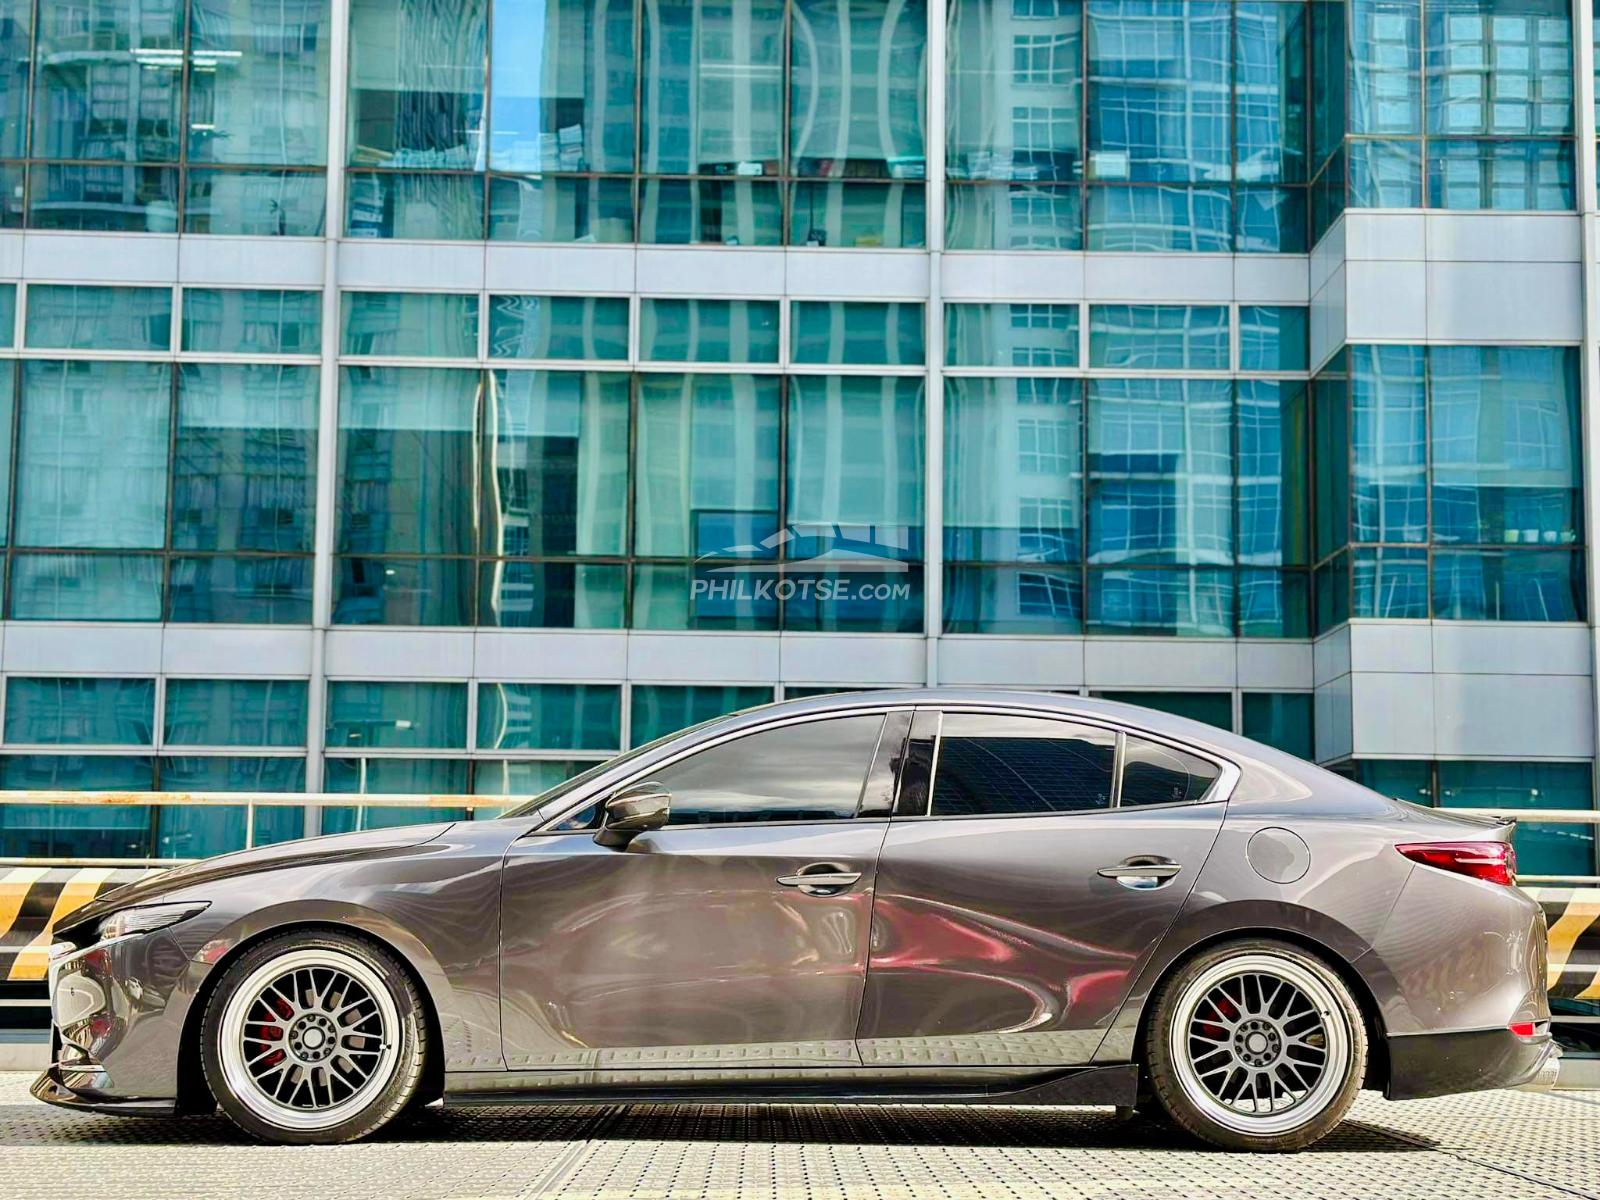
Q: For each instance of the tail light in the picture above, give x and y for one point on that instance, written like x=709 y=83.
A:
x=1492 y=862
x=1523 y=1029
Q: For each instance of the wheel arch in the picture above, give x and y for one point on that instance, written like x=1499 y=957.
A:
x=194 y=1094
x=1359 y=987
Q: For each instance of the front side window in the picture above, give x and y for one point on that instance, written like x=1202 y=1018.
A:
x=808 y=772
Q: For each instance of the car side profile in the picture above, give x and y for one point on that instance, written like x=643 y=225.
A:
x=939 y=896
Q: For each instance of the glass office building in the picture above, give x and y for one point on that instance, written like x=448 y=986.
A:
x=442 y=395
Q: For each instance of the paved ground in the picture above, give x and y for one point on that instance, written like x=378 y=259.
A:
x=1500 y=1146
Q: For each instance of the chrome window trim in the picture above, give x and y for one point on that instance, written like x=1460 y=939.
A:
x=604 y=784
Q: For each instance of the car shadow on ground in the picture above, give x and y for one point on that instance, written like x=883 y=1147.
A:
x=1033 y=1128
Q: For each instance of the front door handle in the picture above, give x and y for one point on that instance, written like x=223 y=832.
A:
x=821 y=879
x=1142 y=872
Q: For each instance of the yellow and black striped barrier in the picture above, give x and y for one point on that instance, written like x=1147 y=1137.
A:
x=34 y=900
x=1573 y=915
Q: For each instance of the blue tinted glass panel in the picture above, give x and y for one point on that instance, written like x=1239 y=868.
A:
x=867 y=333
x=529 y=778
x=1273 y=490
x=706 y=466
x=659 y=710
x=563 y=82
x=1270 y=91
x=1011 y=335
x=1183 y=603
x=235 y=712
x=1209 y=708
x=63 y=317
x=86 y=587
x=115 y=415
x=1499 y=69
x=253 y=590
x=1274 y=338
x=865 y=601
x=1388 y=444
x=1270 y=220
x=1331 y=592
x=1162 y=218
x=8 y=315
x=8 y=401
x=417 y=82
x=406 y=460
x=1274 y=603
x=403 y=591
x=1403 y=780
x=429 y=206
x=553 y=209
x=1160 y=93
x=870 y=215
x=410 y=324
x=710 y=212
x=1508 y=585
x=251 y=321
x=1541 y=849
x=107 y=197
x=255 y=203
x=1283 y=720
x=80 y=712
x=245 y=458
x=555 y=475
x=390 y=776
x=1504 y=175
x=1161 y=471
x=411 y=716
x=16 y=35
x=1165 y=337
x=703 y=595
x=1030 y=433
x=1013 y=600
x=86 y=831
x=583 y=327
x=1385 y=174
x=709 y=331
x=1014 y=216
x=193 y=831
x=1385 y=68
x=1331 y=434
x=551 y=595
x=1390 y=582
x=549 y=716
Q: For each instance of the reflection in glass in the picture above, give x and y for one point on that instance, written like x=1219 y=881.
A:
x=410 y=324
x=1499 y=69
x=710 y=212
x=711 y=97
x=1385 y=174
x=563 y=83
x=1159 y=337
x=1013 y=471
x=1504 y=175
x=1283 y=720
x=708 y=331
x=1385 y=67
x=115 y=415
x=1176 y=602
x=408 y=716
x=244 y=460
x=240 y=590
x=255 y=203
x=390 y=776
x=1508 y=585
x=235 y=712
x=1388 y=445
x=1153 y=219
x=403 y=591
x=1274 y=603
x=1389 y=582
x=837 y=332
x=549 y=716
x=1015 y=601
x=892 y=215
x=80 y=831
x=111 y=197
x=582 y=327
x=16 y=35
x=1270 y=220
x=86 y=587
x=406 y=460
x=855 y=459
x=80 y=712
x=1011 y=335
x=1272 y=486
x=414 y=204
x=65 y=317
x=251 y=321
x=1013 y=216
x=659 y=709
x=1270 y=91
x=1161 y=479
x=551 y=595
x=553 y=209
x=555 y=465
x=258 y=81
x=1274 y=338
x=192 y=831
x=1542 y=849
x=417 y=82
x=702 y=595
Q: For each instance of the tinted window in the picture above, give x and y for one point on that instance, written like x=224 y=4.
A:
x=997 y=765
x=809 y=772
x=1153 y=774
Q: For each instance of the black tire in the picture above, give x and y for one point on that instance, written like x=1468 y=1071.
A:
x=346 y=1118
x=1192 y=1089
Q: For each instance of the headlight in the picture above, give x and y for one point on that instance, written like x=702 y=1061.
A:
x=146 y=918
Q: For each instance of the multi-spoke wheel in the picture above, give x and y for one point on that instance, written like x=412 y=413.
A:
x=1256 y=1045
x=313 y=1038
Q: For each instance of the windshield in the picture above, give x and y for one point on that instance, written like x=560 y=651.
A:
x=594 y=772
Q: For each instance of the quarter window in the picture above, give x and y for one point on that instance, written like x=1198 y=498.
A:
x=808 y=772
x=1155 y=774
x=999 y=765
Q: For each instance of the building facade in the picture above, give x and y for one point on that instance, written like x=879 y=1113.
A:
x=440 y=395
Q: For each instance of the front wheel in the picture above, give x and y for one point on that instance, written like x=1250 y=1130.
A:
x=313 y=1038
x=1256 y=1045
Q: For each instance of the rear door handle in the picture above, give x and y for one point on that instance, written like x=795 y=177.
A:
x=1142 y=872
x=821 y=879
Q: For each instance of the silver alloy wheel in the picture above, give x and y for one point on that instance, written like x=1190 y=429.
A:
x=1260 y=1043
x=309 y=1039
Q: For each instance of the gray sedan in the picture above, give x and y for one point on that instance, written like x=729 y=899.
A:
x=911 y=897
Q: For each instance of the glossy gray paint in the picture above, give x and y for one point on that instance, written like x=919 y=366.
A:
x=980 y=949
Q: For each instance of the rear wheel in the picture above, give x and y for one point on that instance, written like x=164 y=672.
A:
x=314 y=1038
x=1256 y=1045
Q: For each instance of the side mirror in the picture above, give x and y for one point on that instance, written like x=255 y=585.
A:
x=633 y=811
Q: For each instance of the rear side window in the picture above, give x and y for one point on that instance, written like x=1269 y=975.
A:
x=993 y=765
x=1156 y=774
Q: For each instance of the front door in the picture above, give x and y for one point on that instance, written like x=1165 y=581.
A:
x=702 y=947
x=1037 y=868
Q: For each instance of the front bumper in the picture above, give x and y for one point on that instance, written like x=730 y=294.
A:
x=83 y=1089
x=1440 y=1064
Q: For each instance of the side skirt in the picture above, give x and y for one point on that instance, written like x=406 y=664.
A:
x=1115 y=1085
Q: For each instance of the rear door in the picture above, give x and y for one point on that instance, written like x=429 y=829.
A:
x=1032 y=866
